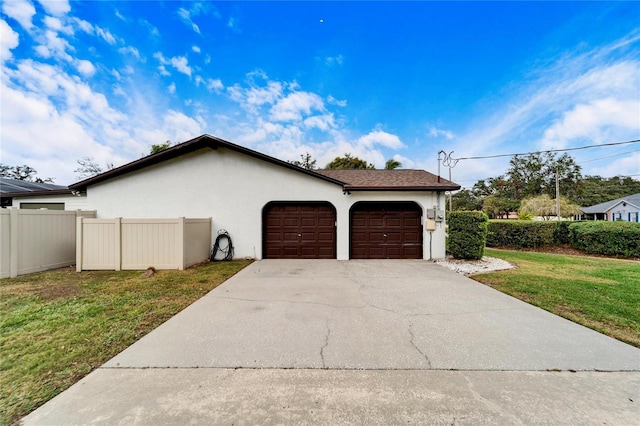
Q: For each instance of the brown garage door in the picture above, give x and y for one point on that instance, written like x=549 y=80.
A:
x=299 y=231
x=386 y=231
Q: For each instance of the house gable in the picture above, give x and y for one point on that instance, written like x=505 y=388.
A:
x=193 y=145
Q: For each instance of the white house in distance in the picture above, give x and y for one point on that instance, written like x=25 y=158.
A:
x=626 y=209
x=273 y=209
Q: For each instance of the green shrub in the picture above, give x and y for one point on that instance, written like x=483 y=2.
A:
x=561 y=234
x=607 y=238
x=467 y=234
x=520 y=234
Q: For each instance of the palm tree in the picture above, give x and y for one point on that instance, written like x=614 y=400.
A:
x=392 y=164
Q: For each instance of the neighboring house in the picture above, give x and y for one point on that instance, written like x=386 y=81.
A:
x=273 y=209
x=34 y=195
x=625 y=209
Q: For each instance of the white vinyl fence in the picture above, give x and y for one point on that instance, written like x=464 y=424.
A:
x=121 y=244
x=37 y=240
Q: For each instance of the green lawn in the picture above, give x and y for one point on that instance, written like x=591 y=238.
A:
x=602 y=294
x=57 y=326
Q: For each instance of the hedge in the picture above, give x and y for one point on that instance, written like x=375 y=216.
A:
x=467 y=234
x=608 y=238
x=521 y=233
x=594 y=237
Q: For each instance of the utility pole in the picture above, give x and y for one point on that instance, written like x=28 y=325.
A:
x=557 y=196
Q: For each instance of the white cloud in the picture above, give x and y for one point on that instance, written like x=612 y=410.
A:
x=180 y=127
x=322 y=122
x=9 y=40
x=54 y=46
x=86 y=68
x=106 y=35
x=153 y=31
x=196 y=49
x=172 y=88
x=334 y=101
x=334 y=60
x=232 y=24
x=129 y=50
x=181 y=64
x=592 y=121
x=57 y=25
x=91 y=29
x=293 y=106
x=56 y=7
x=215 y=84
x=379 y=137
x=20 y=10
x=434 y=132
x=186 y=17
x=84 y=25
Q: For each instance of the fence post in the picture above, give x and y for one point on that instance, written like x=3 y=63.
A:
x=78 y=243
x=13 y=262
x=180 y=243
x=118 y=243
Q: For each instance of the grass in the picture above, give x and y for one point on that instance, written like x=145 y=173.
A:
x=57 y=326
x=602 y=294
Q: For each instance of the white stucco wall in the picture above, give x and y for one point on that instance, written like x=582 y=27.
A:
x=233 y=188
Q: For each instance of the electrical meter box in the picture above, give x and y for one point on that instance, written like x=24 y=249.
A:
x=436 y=215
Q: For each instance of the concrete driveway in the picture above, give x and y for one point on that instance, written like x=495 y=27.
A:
x=381 y=342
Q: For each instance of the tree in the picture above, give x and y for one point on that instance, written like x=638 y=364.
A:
x=392 y=164
x=159 y=147
x=542 y=205
x=535 y=174
x=545 y=206
x=498 y=207
x=466 y=199
x=348 y=162
x=24 y=172
x=594 y=190
x=88 y=168
x=306 y=162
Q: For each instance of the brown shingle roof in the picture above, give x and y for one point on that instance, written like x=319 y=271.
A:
x=390 y=180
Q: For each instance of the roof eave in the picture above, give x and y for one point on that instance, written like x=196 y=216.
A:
x=401 y=188
x=36 y=193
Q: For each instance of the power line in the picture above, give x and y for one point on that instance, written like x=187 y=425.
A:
x=549 y=150
x=609 y=156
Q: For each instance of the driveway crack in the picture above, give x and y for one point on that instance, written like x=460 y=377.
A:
x=326 y=343
x=413 y=343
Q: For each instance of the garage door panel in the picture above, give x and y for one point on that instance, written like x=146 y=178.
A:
x=376 y=222
x=393 y=238
x=357 y=222
x=386 y=231
x=326 y=221
x=394 y=222
x=325 y=236
x=299 y=230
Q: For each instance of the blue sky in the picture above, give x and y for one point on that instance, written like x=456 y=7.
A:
x=378 y=80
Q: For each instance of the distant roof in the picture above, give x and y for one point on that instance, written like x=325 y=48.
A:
x=604 y=207
x=375 y=180
x=23 y=188
x=390 y=180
